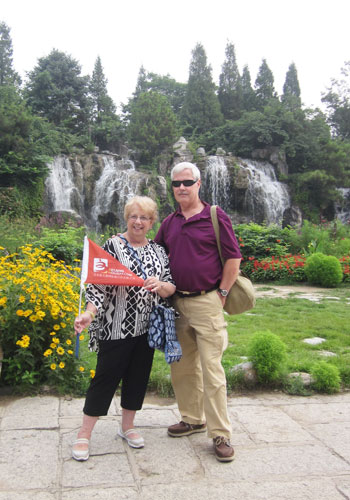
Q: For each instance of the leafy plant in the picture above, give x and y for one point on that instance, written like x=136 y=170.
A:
x=326 y=377
x=38 y=301
x=267 y=352
x=324 y=270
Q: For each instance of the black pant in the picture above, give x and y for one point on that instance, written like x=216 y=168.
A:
x=129 y=360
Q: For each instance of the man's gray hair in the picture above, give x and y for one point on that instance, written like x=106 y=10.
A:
x=183 y=166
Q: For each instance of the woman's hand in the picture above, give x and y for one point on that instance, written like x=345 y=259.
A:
x=83 y=321
x=163 y=288
x=152 y=284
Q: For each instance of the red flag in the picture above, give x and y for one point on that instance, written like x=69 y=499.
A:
x=100 y=267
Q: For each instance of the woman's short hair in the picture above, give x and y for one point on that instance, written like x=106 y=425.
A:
x=146 y=204
x=186 y=165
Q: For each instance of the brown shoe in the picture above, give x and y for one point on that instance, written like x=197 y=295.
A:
x=223 y=449
x=185 y=429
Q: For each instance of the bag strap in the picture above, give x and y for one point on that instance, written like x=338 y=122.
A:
x=215 y=222
x=133 y=254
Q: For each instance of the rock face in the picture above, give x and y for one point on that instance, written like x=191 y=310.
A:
x=95 y=187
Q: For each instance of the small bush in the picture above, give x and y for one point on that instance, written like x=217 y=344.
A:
x=323 y=270
x=65 y=244
x=267 y=352
x=326 y=377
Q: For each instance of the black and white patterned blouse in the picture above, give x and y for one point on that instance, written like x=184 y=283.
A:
x=124 y=311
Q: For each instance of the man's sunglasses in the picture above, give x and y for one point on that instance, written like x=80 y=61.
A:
x=187 y=183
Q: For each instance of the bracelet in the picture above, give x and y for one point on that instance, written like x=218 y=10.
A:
x=91 y=313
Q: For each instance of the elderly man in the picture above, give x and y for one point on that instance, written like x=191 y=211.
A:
x=202 y=285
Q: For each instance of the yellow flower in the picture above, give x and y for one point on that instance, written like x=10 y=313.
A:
x=27 y=313
x=81 y=337
x=56 y=340
x=68 y=342
x=70 y=352
x=53 y=366
x=19 y=312
x=53 y=346
x=52 y=333
x=81 y=368
x=47 y=352
x=56 y=327
x=92 y=373
x=22 y=299
x=60 y=351
x=61 y=365
x=63 y=325
x=33 y=318
x=3 y=301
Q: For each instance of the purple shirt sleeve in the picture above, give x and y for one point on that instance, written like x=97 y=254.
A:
x=191 y=245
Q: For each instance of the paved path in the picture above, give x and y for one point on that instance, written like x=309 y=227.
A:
x=287 y=447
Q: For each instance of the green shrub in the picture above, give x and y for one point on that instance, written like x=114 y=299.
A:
x=324 y=270
x=326 y=377
x=65 y=244
x=267 y=352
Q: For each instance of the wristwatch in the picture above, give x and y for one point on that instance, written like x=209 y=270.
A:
x=223 y=293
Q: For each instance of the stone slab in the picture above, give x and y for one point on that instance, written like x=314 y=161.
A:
x=40 y=412
x=28 y=459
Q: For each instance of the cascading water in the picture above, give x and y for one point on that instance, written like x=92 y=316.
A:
x=119 y=182
x=217 y=182
x=266 y=199
x=342 y=209
x=60 y=187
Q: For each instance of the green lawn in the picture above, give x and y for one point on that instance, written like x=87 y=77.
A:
x=293 y=320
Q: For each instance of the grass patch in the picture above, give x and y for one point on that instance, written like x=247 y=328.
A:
x=293 y=320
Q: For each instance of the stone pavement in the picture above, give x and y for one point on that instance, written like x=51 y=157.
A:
x=286 y=447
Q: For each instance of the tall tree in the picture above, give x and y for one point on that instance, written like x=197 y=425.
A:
x=291 y=88
x=230 y=86
x=101 y=101
x=201 y=110
x=153 y=125
x=57 y=91
x=337 y=99
x=248 y=94
x=264 y=85
x=8 y=76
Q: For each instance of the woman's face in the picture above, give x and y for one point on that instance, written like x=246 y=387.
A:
x=138 y=223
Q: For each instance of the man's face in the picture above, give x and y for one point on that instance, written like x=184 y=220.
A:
x=186 y=194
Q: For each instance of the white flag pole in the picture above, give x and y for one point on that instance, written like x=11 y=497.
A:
x=83 y=276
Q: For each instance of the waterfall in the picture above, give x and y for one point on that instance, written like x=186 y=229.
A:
x=119 y=182
x=342 y=208
x=266 y=199
x=217 y=182
x=62 y=193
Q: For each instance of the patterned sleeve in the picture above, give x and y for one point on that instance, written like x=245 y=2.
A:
x=166 y=274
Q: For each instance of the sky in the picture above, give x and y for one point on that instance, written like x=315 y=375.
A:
x=161 y=35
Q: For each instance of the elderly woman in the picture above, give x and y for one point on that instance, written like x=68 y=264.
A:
x=120 y=316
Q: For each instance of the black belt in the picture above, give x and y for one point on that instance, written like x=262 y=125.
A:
x=184 y=295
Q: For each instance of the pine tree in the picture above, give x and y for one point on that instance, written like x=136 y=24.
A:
x=264 y=85
x=291 y=88
x=230 y=86
x=248 y=94
x=8 y=76
x=57 y=91
x=201 y=109
x=101 y=102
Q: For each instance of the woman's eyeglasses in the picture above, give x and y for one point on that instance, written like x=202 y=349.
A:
x=143 y=218
x=186 y=183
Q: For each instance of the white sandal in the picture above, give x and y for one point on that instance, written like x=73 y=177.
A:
x=81 y=455
x=133 y=442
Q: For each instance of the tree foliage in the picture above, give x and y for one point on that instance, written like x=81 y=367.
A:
x=230 y=86
x=153 y=125
x=291 y=88
x=201 y=109
x=264 y=85
x=8 y=75
x=337 y=99
x=56 y=90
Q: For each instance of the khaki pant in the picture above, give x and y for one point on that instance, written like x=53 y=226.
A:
x=198 y=378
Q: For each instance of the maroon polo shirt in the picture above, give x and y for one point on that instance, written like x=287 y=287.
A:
x=191 y=246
